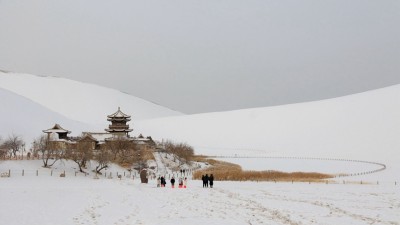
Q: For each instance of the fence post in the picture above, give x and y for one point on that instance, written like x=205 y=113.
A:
x=51 y=173
x=9 y=173
x=37 y=172
x=22 y=172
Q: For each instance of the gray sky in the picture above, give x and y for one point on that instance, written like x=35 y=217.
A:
x=208 y=55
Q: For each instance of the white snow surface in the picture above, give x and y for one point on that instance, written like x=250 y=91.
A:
x=364 y=126
x=80 y=101
x=23 y=117
x=46 y=199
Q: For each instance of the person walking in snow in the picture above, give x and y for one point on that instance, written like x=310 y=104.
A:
x=172 y=182
x=163 y=182
x=203 y=178
x=211 y=178
x=206 y=179
x=180 y=182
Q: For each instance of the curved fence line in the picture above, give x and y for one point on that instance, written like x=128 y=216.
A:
x=381 y=165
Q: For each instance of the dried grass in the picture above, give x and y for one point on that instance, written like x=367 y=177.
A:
x=229 y=171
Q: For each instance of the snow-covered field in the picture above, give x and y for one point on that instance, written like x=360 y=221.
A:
x=39 y=196
x=84 y=200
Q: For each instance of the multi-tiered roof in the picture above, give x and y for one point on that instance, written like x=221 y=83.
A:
x=119 y=122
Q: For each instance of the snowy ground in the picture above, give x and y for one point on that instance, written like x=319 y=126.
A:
x=84 y=200
x=46 y=199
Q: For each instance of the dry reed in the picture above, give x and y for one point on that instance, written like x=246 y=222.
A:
x=229 y=171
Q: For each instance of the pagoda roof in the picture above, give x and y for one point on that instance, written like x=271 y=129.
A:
x=56 y=129
x=118 y=130
x=119 y=114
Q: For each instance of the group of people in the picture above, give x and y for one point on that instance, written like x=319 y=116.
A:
x=182 y=182
x=207 y=180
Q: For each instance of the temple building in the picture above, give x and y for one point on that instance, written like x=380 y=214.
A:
x=57 y=132
x=119 y=126
x=117 y=130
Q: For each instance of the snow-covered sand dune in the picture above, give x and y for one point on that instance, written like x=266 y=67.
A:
x=360 y=126
x=21 y=116
x=79 y=101
x=364 y=126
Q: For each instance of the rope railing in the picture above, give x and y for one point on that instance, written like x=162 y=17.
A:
x=381 y=165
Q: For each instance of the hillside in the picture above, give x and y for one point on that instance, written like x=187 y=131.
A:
x=79 y=101
x=21 y=116
x=362 y=126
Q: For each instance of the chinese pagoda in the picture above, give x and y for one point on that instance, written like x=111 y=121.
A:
x=119 y=126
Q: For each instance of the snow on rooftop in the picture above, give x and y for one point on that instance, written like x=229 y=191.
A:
x=119 y=113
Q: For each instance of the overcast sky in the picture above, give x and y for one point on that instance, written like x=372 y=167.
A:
x=208 y=55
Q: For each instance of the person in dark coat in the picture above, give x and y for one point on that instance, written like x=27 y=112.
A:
x=203 y=178
x=163 y=183
x=172 y=182
x=206 y=179
x=211 y=178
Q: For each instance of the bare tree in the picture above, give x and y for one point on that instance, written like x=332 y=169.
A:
x=103 y=158
x=80 y=153
x=49 y=151
x=13 y=144
x=3 y=150
x=182 y=150
x=123 y=150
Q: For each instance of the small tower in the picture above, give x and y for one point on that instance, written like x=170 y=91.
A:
x=119 y=126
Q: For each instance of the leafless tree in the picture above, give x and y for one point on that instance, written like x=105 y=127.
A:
x=80 y=153
x=13 y=144
x=123 y=150
x=182 y=150
x=103 y=158
x=49 y=151
x=3 y=150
